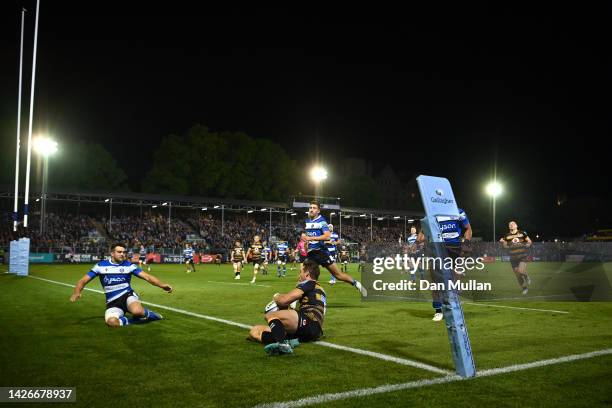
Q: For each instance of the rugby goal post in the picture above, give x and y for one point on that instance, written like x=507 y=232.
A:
x=438 y=200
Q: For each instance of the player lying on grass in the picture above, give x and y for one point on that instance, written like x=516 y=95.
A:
x=287 y=328
x=115 y=276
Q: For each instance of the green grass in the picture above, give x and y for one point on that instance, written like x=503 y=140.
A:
x=187 y=361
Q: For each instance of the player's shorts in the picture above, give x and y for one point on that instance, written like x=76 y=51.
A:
x=118 y=307
x=143 y=259
x=516 y=260
x=282 y=258
x=188 y=260
x=321 y=257
x=258 y=262
x=237 y=264
x=334 y=255
x=308 y=329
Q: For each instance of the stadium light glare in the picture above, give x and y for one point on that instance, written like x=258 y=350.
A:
x=362 y=215
x=293 y=214
x=38 y=199
x=318 y=174
x=155 y=206
x=216 y=206
x=410 y=220
x=107 y=200
x=494 y=189
x=332 y=213
x=204 y=208
x=45 y=146
x=264 y=209
x=347 y=216
x=164 y=203
x=396 y=217
x=380 y=218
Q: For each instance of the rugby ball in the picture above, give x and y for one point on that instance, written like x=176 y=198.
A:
x=271 y=307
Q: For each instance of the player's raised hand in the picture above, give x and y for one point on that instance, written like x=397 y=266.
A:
x=75 y=297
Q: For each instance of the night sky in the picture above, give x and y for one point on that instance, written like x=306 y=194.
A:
x=439 y=91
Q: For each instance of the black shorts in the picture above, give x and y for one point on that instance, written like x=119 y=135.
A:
x=321 y=257
x=143 y=259
x=515 y=261
x=282 y=258
x=258 y=262
x=308 y=329
x=121 y=301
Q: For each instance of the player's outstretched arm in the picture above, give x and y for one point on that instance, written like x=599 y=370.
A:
x=285 y=299
x=154 y=281
x=468 y=232
x=76 y=294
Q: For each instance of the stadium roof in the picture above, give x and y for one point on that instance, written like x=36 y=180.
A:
x=178 y=201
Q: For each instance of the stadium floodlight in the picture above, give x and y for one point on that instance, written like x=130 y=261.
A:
x=38 y=199
x=264 y=209
x=493 y=189
x=292 y=214
x=204 y=208
x=318 y=174
x=250 y=211
x=332 y=213
x=362 y=215
x=380 y=218
x=217 y=206
x=107 y=200
x=45 y=146
x=155 y=206
x=164 y=203
x=410 y=220
x=397 y=217
x=347 y=216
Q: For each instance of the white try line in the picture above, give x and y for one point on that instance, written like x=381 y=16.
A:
x=477 y=304
x=380 y=356
x=364 y=392
x=240 y=283
x=515 y=307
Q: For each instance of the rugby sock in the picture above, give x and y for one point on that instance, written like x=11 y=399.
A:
x=278 y=330
x=437 y=306
x=124 y=321
x=267 y=338
x=146 y=313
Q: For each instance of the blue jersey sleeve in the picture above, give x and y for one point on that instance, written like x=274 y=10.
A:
x=95 y=271
x=324 y=226
x=464 y=220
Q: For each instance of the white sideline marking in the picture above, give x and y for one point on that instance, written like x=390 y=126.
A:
x=364 y=392
x=386 y=357
x=379 y=356
x=514 y=307
x=240 y=283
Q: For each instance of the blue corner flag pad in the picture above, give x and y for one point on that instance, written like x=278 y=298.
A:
x=439 y=201
x=19 y=257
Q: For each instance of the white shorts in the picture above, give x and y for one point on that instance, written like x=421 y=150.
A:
x=118 y=312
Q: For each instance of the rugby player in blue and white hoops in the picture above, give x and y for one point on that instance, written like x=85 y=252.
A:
x=316 y=235
x=115 y=276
